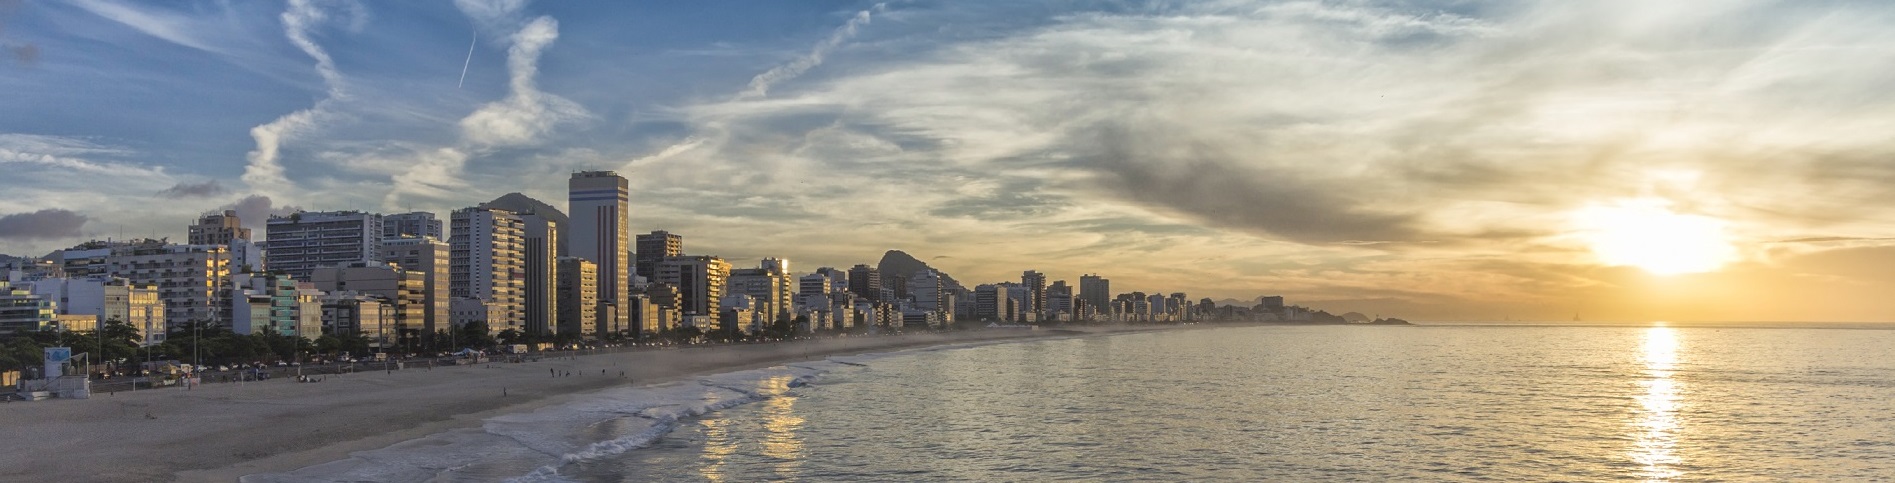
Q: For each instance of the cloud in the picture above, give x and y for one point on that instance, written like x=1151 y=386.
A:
x=254 y=211
x=70 y=153
x=760 y=85
x=204 y=189
x=265 y=171
x=42 y=225
x=525 y=114
x=1209 y=183
x=167 y=26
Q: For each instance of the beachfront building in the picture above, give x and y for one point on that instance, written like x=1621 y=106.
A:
x=431 y=258
x=22 y=312
x=418 y=224
x=218 y=229
x=487 y=266
x=1059 y=302
x=654 y=248
x=1095 y=291
x=598 y=201
x=700 y=281
x=264 y=303
x=194 y=281
x=578 y=291
x=350 y=314
x=767 y=289
x=108 y=299
x=541 y=261
x=667 y=302
x=403 y=291
x=865 y=281
x=301 y=242
x=1035 y=284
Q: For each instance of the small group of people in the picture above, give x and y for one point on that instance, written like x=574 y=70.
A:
x=308 y=379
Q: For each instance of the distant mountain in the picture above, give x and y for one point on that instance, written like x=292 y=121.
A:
x=519 y=203
x=1230 y=302
x=1355 y=317
x=897 y=263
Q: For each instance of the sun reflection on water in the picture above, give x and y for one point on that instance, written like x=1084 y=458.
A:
x=780 y=419
x=718 y=447
x=1655 y=431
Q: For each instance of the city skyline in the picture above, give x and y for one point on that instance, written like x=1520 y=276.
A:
x=1426 y=160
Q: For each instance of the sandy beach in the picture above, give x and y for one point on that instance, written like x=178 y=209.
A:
x=221 y=432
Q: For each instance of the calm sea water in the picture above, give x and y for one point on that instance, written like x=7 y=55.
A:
x=1325 y=403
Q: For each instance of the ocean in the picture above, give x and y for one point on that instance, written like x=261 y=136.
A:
x=1268 y=403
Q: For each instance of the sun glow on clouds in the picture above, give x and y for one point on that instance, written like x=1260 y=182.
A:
x=1647 y=234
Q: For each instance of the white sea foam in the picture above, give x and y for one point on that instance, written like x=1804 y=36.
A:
x=534 y=445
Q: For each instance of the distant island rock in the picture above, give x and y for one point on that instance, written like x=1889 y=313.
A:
x=1355 y=317
x=1389 y=321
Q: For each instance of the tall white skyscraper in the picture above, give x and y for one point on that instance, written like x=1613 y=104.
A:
x=597 y=209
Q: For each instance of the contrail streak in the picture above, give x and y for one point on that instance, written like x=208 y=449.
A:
x=470 y=59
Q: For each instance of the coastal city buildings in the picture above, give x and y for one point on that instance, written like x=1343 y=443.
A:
x=412 y=224
x=431 y=258
x=578 y=291
x=403 y=291
x=194 y=281
x=700 y=281
x=299 y=243
x=655 y=247
x=217 y=229
x=541 y=282
x=865 y=281
x=597 y=202
x=487 y=268
x=1095 y=291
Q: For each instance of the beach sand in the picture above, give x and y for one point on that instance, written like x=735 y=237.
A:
x=220 y=432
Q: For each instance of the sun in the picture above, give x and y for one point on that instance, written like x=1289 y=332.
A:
x=1647 y=234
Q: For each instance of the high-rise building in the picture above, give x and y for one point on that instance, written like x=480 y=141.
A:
x=928 y=293
x=765 y=289
x=812 y=292
x=487 y=268
x=194 y=281
x=218 y=229
x=403 y=290
x=1035 y=283
x=430 y=257
x=542 y=274
x=785 y=287
x=578 y=297
x=1059 y=301
x=1097 y=292
x=700 y=281
x=865 y=281
x=299 y=243
x=598 y=202
x=655 y=247
x=412 y=224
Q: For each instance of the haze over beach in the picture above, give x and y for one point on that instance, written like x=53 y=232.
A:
x=1708 y=161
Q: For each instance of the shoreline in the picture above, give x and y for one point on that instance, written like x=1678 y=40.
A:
x=222 y=432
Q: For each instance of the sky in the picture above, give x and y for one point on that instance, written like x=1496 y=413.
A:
x=1436 y=160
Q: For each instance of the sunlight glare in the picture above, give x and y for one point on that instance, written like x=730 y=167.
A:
x=1647 y=234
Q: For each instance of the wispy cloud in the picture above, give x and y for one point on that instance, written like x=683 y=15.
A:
x=168 y=26
x=202 y=189
x=266 y=173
